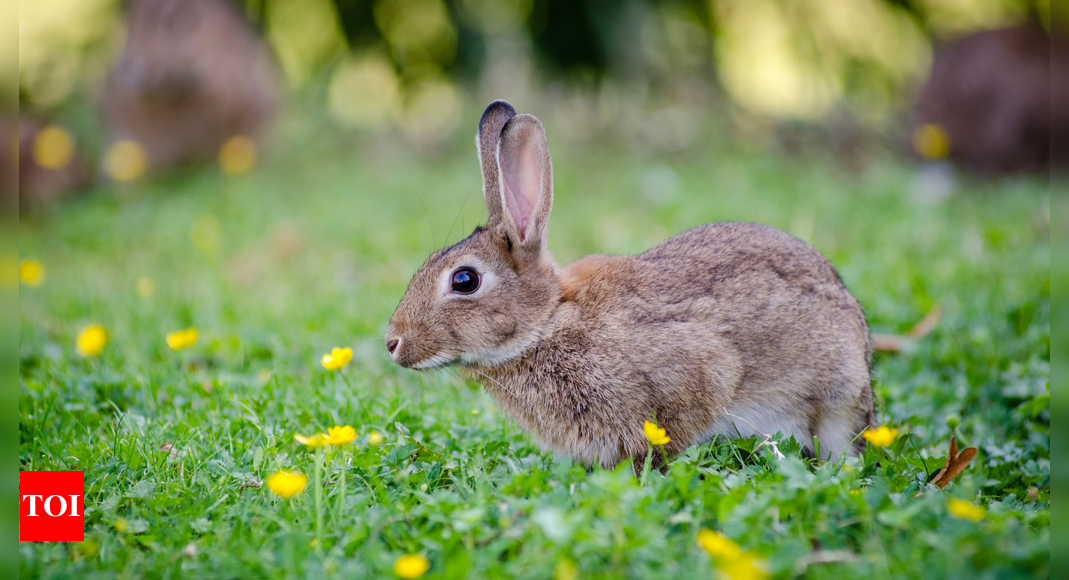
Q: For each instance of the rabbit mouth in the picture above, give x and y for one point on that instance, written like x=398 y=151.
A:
x=435 y=361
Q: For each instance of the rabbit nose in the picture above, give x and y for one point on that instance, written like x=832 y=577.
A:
x=391 y=345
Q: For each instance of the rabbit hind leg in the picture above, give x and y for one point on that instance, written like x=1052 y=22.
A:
x=837 y=434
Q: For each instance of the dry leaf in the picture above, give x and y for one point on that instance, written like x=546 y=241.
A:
x=887 y=342
x=895 y=342
x=955 y=464
x=926 y=325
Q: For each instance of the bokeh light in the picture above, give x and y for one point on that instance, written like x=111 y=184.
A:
x=419 y=32
x=364 y=92
x=931 y=141
x=145 y=287
x=53 y=148
x=205 y=232
x=31 y=273
x=125 y=161
x=799 y=61
x=56 y=42
x=433 y=111
x=304 y=34
x=238 y=155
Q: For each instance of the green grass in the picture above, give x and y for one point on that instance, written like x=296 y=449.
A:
x=315 y=249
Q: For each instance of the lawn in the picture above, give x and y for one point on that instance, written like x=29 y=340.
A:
x=313 y=250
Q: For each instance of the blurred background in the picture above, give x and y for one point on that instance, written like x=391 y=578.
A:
x=272 y=172
x=144 y=85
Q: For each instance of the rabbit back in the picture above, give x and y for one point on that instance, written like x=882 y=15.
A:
x=729 y=329
x=801 y=336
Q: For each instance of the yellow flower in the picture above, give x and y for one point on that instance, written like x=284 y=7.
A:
x=53 y=148
x=285 y=484
x=881 y=437
x=411 y=566
x=317 y=440
x=374 y=439
x=855 y=492
x=31 y=273
x=931 y=141
x=966 y=510
x=91 y=340
x=121 y=525
x=125 y=161
x=340 y=435
x=745 y=567
x=145 y=287
x=734 y=564
x=655 y=434
x=237 y=155
x=180 y=339
x=337 y=358
x=718 y=545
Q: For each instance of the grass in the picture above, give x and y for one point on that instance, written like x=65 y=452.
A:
x=314 y=250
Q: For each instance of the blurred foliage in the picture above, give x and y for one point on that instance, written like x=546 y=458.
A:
x=407 y=62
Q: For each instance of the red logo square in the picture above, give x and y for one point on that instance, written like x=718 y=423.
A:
x=52 y=506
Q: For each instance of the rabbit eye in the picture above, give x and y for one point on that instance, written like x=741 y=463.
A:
x=465 y=281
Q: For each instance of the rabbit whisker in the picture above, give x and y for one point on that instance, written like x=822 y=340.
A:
x=496 y=383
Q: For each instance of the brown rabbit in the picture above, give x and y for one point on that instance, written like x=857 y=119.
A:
x=729 y=328
x=193 y=74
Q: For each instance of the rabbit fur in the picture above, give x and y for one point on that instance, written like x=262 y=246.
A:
x=733 y=329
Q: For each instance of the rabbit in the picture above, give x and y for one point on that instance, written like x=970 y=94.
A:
x=729 y=329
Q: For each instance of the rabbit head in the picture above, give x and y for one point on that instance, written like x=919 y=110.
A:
x=483 y=300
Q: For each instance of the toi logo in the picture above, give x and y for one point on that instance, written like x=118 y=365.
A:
x=52 y=506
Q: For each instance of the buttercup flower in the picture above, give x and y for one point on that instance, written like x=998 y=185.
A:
x=411 y=566
x=966 y=510
x=743 y=568
x=718 y=545
x=337 y=358
x=317 y=440
x=655 y=434
x=374 y=439
x=182 y=338
x=91 y=340
x=340 y=435
x=31 y=273
x=733 y=563
x=881 y=437
x=285 y=484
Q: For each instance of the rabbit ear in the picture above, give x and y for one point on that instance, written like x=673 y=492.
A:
x=526 y=179
x=493 y=120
